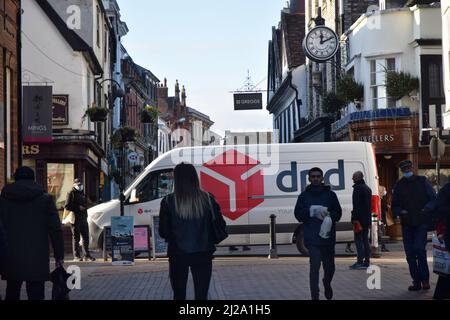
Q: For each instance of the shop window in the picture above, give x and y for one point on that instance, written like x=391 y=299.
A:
x=60 y=178
x=154 y=186
x=378 y=69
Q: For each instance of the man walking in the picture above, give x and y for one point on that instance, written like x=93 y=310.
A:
x=412 y=198
x=76 y=202
x=313 y=205
x=361 y=219
x=30 y=219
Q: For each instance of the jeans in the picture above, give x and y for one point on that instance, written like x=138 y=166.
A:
x=363 y=245
x=415 y=241
x=80 y=227
x=201 y=274
x=317 y=256
x=35 y=290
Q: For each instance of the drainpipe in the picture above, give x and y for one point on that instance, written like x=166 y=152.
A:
x=19 y=84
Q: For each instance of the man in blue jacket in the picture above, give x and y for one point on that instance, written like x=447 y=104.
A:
x=412 y=201
x=313 y=205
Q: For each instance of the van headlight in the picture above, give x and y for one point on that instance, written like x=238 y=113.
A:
x=95 y=216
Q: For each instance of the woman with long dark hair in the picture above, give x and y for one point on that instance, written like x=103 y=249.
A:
x=186 y=218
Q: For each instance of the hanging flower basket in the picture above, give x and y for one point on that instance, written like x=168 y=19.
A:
x=400 y=84
x=349 y=90
x=122 y=135
x=96 y=114
x=332 y=104
x=149 y=114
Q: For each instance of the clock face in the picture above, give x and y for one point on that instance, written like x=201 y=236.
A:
x=321 y=44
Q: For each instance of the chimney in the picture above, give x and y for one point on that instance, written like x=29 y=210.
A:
x=183 y=97
x=297 y=6
x=177 y=90
x=162 y=92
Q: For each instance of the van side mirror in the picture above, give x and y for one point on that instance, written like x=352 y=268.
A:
x=133 y=197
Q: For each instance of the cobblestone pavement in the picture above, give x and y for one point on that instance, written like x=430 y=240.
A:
x=249 y=276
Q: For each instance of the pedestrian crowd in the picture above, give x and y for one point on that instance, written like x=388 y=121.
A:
x=192 y=224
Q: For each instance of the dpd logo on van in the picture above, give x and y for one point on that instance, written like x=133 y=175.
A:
x=234 y=179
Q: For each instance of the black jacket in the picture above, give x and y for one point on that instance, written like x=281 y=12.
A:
x=30 y=218
x=323 y=196
x=362 y=203
x=74 y=200
x=413 y=195
x=187 y=236
x=2 y=247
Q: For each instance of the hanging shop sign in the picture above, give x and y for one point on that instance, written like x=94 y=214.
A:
x=37 y=114
x=248 y=101
x=60 y=109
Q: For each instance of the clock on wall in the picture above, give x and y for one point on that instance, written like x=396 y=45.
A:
x=321 y=44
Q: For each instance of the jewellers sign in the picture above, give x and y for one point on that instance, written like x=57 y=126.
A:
x=60 y=109
x=37 y=114
x=378 y=138
x=247 y=101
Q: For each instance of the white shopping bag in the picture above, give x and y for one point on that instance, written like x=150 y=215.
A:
x=325 y=228
x=441 y=257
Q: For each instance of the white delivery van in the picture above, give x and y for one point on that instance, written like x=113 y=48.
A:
x=250 y=182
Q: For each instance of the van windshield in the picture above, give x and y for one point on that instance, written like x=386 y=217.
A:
x=156 y=185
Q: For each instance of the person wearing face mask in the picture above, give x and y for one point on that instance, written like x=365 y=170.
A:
x=76 y=202
x=412 y=201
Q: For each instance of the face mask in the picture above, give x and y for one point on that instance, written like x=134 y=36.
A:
x=78 y=187
x=408 y=174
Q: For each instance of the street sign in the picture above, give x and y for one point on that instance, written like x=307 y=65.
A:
x=133 y=157
x=437 y=148
x=247 y=101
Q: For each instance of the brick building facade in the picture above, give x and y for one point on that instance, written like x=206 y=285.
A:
x=10 y=153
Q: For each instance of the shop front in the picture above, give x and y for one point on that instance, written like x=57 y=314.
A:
x=394 y=136
x=59 y=163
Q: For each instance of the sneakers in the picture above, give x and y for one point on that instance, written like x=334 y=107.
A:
x=89 y=258
x=359 y=266
x=415 y=287
x=348 y=250
x=77 y=259
x=328 y=290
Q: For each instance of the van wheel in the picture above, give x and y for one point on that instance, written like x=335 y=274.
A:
x=301 y=243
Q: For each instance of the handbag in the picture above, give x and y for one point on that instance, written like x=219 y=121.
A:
x=219 y=232
x=441 y=258
x=59 y=277
x=68 y=217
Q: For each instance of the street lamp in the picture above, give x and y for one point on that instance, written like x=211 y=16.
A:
x=119 y=93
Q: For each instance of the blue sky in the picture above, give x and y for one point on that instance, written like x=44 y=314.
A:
x=208 y=46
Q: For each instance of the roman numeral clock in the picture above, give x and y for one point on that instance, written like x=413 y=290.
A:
x=321 y=44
